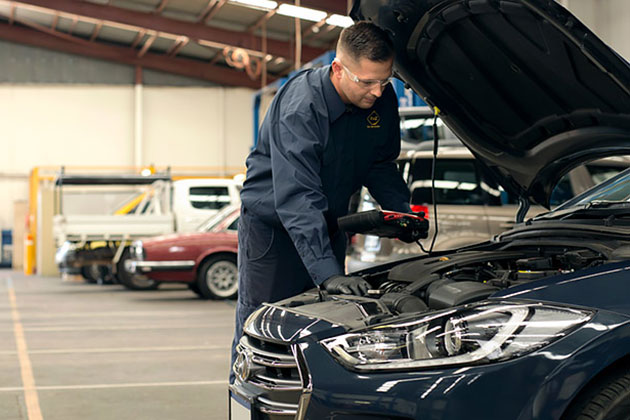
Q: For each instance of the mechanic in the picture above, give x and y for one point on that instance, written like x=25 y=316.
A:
x=328 y=132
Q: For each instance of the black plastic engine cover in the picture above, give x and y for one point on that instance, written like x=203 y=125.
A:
x=448 y=293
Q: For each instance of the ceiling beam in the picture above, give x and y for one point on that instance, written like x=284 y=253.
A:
x=97 y=30
x=139 y=37
x=75 y=20
x=158 y=23
x=316 y=27
x=147 y=45
x=206 y=10
x=160 y=7
x=177 y=46
x=216 y=58
x=177 y=65
x=264 y=18
x=12 y=14
x=218 y=5
x=53 y=26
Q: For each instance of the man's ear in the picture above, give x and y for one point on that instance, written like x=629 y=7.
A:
x=337 y=68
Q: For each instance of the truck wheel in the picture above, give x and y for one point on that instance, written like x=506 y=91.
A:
x=607 y=400
x=218 y=278
x=89 y=274
x=130 y=281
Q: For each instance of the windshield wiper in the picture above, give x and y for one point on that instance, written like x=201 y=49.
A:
x=598 y=204
x=594 y=209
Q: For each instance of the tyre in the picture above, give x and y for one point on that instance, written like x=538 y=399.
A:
x=218 y=278
x=131 y=281
x=609 y=399
x=90 y=275
x=194 y=288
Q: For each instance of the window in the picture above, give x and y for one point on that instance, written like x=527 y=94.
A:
x=456 y=182
x=209 y=198
x=233 y=225
x=415 y=129
x=562 y=192
x=603 y=173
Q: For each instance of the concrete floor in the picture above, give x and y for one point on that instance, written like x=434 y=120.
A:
x=71 y=350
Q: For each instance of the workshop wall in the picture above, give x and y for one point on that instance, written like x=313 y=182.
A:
x=214 y=125
x=607 y=18
x=586 y=11
x=612 y=24
x=91 y=125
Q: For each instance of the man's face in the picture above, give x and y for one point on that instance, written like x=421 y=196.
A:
x=362 y=82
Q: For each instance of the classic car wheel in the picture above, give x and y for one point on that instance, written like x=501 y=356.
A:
x=218 y=278
x=608 y=400
x=195 y=288
x=131 y=281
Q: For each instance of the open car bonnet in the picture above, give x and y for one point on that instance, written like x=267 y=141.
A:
x=529 y=89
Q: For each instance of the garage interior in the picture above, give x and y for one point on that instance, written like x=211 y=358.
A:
x=119 y=88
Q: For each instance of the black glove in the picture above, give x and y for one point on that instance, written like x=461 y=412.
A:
x=347 y=285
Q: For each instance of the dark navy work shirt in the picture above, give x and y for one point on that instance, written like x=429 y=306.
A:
x=313 y=153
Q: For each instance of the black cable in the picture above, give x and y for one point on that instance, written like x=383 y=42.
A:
x=435 y=150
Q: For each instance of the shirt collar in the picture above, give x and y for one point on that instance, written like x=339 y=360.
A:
x=336 y=107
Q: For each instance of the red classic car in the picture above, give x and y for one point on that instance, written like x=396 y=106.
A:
x=206 y=259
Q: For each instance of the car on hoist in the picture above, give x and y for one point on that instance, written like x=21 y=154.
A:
x=533 y=324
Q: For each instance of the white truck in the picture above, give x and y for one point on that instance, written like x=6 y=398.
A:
x=97 y=218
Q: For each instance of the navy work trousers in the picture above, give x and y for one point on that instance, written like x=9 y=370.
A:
x=269 y=269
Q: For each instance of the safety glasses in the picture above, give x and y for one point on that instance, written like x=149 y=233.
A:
x=365 y=83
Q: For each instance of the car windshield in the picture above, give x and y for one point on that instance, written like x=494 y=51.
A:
x=614 y=190
x=416 y=129
x=214 y=221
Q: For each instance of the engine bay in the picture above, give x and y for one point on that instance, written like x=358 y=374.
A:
x=448 y=280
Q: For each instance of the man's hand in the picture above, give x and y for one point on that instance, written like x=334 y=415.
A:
x=347 y=285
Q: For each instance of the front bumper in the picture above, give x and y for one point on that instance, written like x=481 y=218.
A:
x=142 y=267
x=269 y=379
x=538 y=386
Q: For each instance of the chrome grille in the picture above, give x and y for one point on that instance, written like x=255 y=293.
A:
x=273 y=370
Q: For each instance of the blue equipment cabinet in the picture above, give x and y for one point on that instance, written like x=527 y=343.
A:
x=6 y=248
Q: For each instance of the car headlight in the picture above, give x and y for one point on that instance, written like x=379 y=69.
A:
x=473 y=334
x=136 y=251
x=62 y=252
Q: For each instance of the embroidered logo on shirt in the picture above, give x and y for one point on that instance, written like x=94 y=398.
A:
x=373 y=119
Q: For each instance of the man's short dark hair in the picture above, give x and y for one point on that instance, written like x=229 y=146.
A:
x=366 y=40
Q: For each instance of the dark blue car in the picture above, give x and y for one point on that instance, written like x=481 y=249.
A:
x=532 y=325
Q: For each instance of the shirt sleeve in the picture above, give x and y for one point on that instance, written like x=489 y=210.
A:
x=384 y=181
x=300 y=202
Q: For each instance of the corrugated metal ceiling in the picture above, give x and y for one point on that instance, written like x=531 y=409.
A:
x=194 y=38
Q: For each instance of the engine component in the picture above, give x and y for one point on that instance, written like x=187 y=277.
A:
x=579 y=259
x=447 y=293
x=418 y=285
x=525 y=276
x=535 y=264
x=403 y=303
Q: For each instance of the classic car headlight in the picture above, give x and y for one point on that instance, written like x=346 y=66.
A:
x=136 y=251
x=472 y=334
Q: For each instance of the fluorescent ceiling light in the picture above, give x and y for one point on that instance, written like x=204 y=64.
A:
x=339 y=20
x=301 y=12
x=257 y=4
